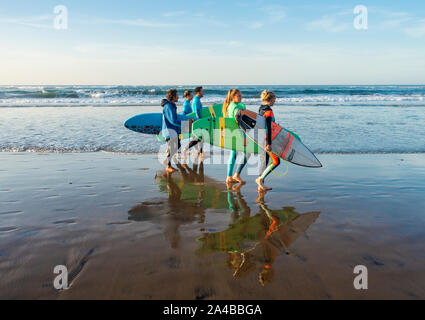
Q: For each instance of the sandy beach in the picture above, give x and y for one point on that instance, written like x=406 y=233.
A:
x=124 y=231
x=100 y=99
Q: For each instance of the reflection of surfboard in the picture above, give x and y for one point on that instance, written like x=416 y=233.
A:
x=297 y=227
x=285 y=144
x=240 y=236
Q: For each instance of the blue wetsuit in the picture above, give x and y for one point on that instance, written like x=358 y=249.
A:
x=187 y=107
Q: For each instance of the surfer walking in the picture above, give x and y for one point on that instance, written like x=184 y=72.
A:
x=230 y=106
x=268 y=98
x=171 y=126
x=187 y=107
x=196 y=107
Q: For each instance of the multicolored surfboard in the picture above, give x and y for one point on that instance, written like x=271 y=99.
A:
x=224 y=133
x=285 y=144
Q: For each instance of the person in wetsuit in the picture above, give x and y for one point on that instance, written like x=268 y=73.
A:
x=268 y=98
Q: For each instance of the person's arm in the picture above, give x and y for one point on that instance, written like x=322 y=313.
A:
x=269 y=130
x=171 y=116
x=235 y=108
x=269 y=115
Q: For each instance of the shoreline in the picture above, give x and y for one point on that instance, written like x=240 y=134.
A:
x=153 y=153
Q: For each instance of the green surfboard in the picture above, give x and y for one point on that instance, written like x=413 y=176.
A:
x=214 y=111
x=224 y=133
x=206 y=112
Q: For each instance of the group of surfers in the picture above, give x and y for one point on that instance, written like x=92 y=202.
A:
x=171 y=128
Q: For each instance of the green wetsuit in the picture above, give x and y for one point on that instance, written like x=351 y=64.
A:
x=232 y=108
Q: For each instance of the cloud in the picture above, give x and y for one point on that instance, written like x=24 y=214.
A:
x=392 y=18
x=417 y=31
x=135 y=23
x=229 y=43
x=285 y=50
x=214 y=22
x=395 y=22
x=174 y=13
x=256 y=25
x=275 y=13
x=405 y=21
x=34 y=22
x=329 y=24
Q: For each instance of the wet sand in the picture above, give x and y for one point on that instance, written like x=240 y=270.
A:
x=126 y=231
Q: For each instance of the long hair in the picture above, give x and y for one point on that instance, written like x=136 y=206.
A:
x=229 y=98
x=267 y=96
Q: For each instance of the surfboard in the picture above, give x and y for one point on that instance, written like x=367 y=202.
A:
x=151 y=123
x=224 y=133
x=284 y=143
x=214 y=111
x=148 y=123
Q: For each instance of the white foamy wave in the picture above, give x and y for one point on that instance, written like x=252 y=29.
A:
x=101 y=99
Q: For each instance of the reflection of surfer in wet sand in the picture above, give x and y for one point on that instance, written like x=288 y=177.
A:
x=274 y=231
x=190 y=193
x=175 y=210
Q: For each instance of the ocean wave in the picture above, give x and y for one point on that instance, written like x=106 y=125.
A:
x=152 y=95
x=100 y=100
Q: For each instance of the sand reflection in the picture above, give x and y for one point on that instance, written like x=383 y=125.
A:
x=255 y=237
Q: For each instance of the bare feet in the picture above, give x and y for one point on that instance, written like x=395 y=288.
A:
x=170 y=169
x=230 y=180
x=237 y=187
x=261 y=186
x=238 y=178
x=261 y=194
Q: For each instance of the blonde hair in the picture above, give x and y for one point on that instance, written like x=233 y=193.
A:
x=187 y=93
x=267 y=96
x=229 y=98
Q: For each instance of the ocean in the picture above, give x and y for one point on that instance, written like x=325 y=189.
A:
x=329 y=119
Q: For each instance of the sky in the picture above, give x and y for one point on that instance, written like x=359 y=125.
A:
x=137 y=42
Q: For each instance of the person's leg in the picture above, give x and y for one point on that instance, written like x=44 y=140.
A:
x=230 y=167
x=237 y=175
x=275 y=163
x=176 y=147
x=201 y=147
x=173 y=147
x=169 y=155
x=264 y=159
